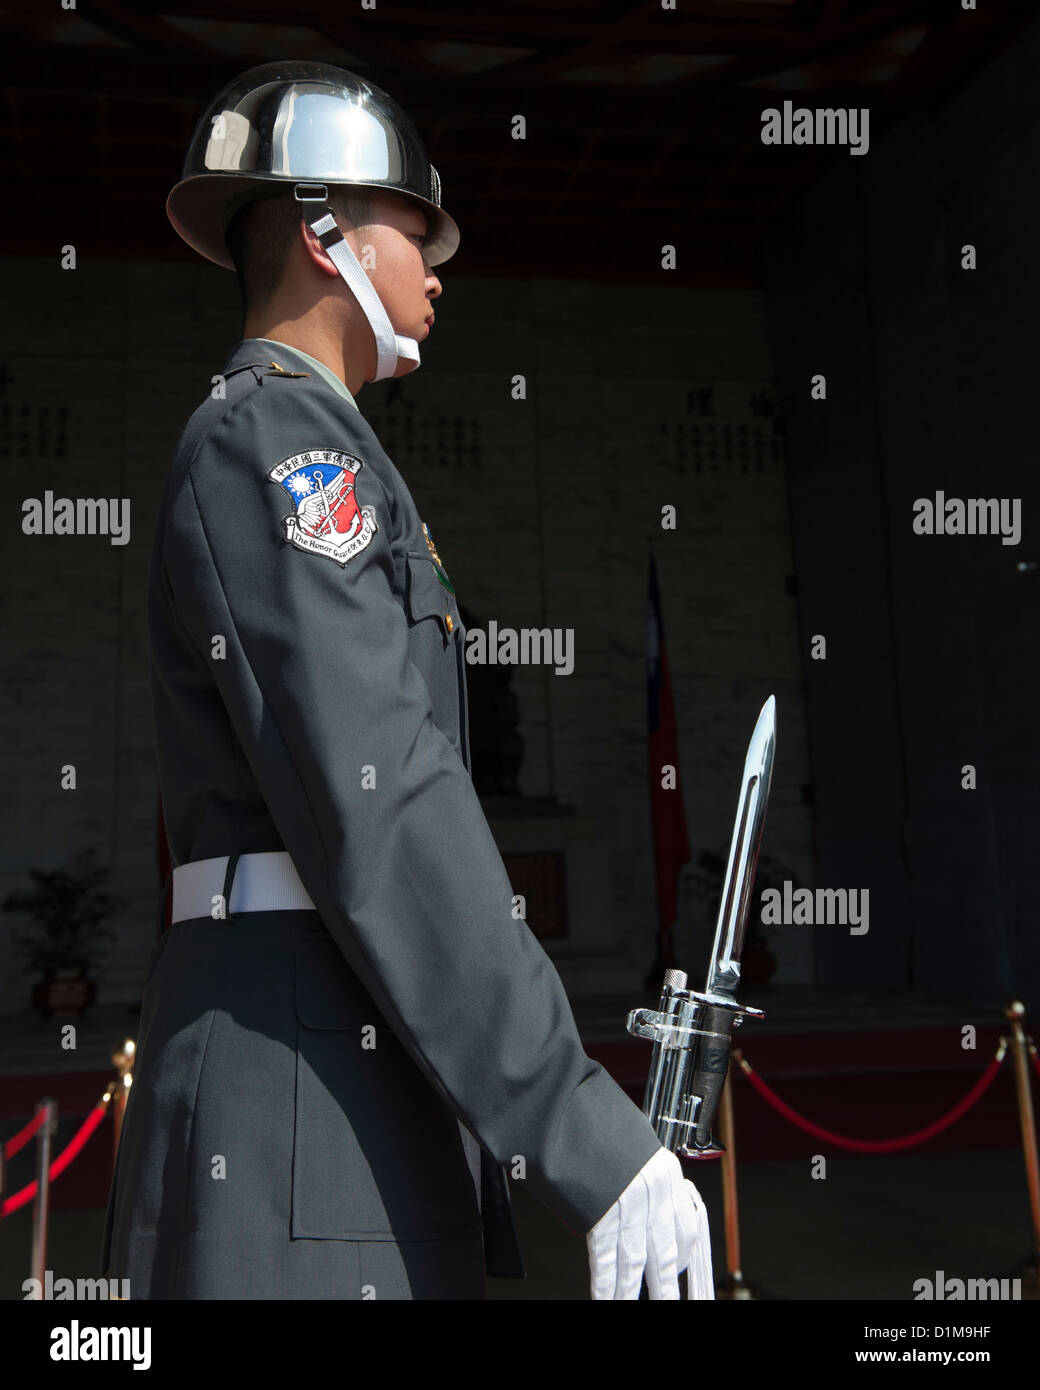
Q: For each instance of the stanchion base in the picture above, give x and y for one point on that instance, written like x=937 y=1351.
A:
x=734 y=1288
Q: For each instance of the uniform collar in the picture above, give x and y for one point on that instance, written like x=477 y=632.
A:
x=292 y=359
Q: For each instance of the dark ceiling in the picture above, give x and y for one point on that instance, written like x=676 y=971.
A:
x=643 y=123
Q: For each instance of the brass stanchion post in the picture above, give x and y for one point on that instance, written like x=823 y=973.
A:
x=124 y=1062
x=733 y=1285
x=41 y=1203
x=1014 y=1012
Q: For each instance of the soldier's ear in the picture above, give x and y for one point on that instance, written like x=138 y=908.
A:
x=314 y=249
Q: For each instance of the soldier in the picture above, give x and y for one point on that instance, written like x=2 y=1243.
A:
x=345 y=1032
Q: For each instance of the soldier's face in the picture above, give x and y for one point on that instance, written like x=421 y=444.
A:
x=401 y=277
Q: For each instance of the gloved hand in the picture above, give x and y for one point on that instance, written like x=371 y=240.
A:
x=659 y=1225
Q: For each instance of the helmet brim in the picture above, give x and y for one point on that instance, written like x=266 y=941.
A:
x=197 y=204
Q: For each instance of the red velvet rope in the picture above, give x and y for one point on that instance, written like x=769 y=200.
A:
x=19 y=1140
x=1036 y=1062
x=875 y=1146
x=63 y=1160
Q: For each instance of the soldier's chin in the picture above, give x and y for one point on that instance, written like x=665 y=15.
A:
x=404 y=366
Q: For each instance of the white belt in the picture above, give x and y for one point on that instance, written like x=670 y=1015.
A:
x=263 y=883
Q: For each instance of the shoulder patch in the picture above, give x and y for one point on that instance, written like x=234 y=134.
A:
x=328 y=519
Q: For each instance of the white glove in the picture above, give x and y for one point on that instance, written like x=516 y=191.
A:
x=659 y=1225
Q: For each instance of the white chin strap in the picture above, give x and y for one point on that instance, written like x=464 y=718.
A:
x=389 y=345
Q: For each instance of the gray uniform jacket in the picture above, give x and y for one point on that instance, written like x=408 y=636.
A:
x=310 y=694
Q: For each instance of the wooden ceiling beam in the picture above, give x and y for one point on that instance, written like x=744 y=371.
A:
x=957 y=45
x=144 y=31
x=813 y=47
x=520 y=25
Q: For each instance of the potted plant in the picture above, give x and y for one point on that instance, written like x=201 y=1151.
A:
x=758 y=964
x=62 y=941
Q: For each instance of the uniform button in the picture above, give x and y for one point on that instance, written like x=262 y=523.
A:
x=449 y=622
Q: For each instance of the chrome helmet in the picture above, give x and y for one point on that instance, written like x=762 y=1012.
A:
x=282 y=124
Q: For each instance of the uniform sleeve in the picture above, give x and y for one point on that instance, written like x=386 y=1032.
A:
x=405 y=875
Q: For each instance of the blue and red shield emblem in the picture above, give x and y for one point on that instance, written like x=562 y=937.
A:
x=328 y=519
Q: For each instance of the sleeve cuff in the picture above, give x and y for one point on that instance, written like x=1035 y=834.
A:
x=600 y=1145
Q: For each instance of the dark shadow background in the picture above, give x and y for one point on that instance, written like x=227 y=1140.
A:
x=643 y=130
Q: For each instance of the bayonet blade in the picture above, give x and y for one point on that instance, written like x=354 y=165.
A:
x=731 y=928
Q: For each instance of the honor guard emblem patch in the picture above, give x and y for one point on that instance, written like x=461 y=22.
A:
x=328 y=519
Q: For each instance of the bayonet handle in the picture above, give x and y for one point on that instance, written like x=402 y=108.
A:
x=711 y=1070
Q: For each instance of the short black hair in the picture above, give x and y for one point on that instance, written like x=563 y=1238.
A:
x=261 y=235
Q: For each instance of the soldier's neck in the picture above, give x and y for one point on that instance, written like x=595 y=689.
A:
x=307 y=333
